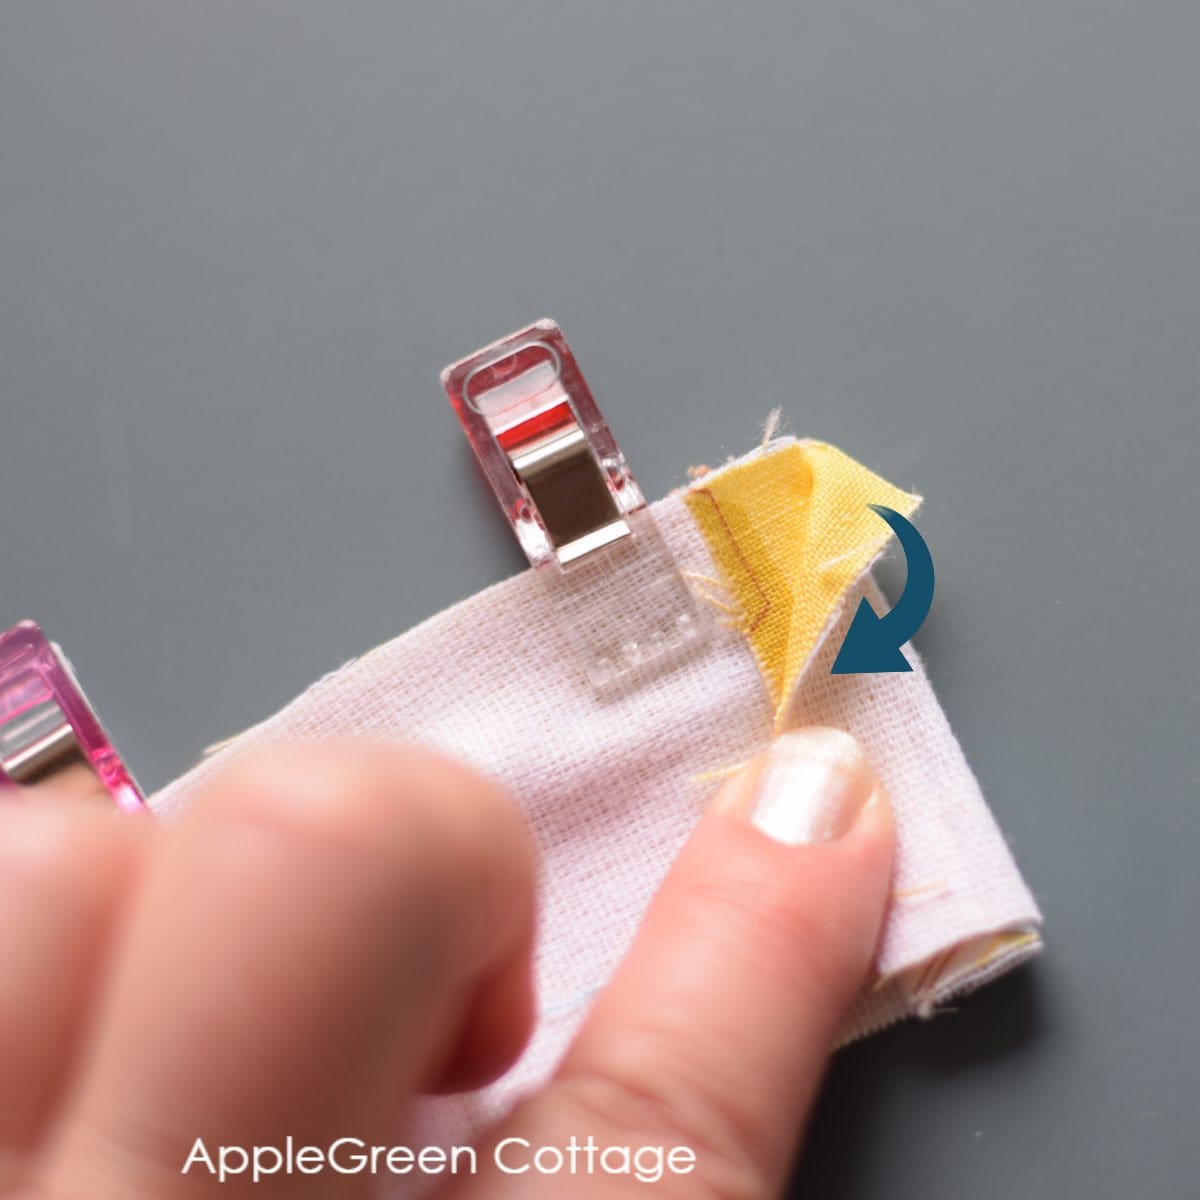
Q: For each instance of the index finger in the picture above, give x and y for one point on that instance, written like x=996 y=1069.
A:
x=308 y=945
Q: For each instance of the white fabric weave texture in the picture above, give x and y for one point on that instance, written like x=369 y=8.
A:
x=612 y=786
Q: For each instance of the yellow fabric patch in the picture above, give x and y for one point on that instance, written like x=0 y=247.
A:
x=791 y=533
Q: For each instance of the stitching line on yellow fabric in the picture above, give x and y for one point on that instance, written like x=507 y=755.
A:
x=791 y=534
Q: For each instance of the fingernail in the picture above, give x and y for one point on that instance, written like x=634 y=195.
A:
x=812 y=787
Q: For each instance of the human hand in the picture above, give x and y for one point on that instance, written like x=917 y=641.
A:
x=328 y=932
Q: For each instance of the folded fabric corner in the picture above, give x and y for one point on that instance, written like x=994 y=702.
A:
x=790 y=530
x=793 y=539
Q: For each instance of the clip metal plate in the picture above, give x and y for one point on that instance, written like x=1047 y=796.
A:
x=572 y=501
x=48 y=729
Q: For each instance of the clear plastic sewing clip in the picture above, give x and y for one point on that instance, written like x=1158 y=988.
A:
x=572 y=502
x=48 y=730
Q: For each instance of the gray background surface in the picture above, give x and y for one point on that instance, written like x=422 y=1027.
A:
x=962 y=241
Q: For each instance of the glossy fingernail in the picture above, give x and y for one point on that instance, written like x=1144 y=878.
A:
x=812 y=787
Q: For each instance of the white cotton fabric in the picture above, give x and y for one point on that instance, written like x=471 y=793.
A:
x=612 y=785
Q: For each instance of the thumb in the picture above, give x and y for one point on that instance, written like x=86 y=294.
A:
x=714 y=1032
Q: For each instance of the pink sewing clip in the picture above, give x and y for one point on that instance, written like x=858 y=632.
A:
x=572 y=502
x=48 y=730
x=546 y=450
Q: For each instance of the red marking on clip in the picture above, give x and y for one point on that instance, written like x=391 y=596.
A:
x=549 y=419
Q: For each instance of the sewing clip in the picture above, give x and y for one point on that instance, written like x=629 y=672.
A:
x=49 y=732
x=572 y=502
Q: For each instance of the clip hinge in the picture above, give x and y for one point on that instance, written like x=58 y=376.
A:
x=38 y=743
x=569 y=491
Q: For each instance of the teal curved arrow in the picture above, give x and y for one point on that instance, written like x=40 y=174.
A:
x=872 y=643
